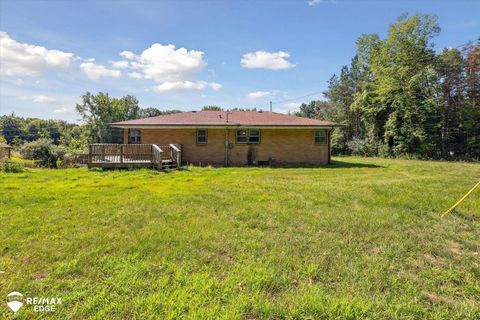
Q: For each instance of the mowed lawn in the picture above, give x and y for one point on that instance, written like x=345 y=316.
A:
x=359 y=239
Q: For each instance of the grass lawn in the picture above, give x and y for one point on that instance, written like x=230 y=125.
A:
x=358 y=239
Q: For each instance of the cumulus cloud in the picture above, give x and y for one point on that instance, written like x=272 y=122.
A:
x=187 y=85
x=121 y=64
x=43 y=99
x=62 y=110
x=165 y=63
x=128 y=55
x=171 y=68
x=266 y=60
x=96 y=71
x=135 y=75
x=258 y=94
x=25 y=59
x=38 y=99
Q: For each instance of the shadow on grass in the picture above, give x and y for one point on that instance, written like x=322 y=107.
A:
x=345 y=164
x=334 y=164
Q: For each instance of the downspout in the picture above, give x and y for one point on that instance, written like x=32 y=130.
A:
x=226 y=146
x=227 y=138
x=330 y=145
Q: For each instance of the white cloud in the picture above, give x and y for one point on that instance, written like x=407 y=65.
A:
x=25 y=59
x=266 y=60
x=187 y=86
x=313 y=3
x=258 y=94
x=121 y=64
x=38 y=99
x=165 y=63
x=129 y=55
x=96 y=71
x=43 y=99
x=62 y=110
x=135 y=75
x=215 y=86
x=172 y=69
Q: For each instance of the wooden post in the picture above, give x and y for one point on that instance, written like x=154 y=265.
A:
x=121 y=153
x=89 y=155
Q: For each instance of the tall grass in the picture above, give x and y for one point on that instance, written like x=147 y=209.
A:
x=359 y=239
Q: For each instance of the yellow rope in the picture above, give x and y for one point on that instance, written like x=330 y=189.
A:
x=460 y=201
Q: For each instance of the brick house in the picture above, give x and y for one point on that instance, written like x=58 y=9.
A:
x=236 y=138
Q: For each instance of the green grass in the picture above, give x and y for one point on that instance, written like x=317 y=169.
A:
x=360 y=239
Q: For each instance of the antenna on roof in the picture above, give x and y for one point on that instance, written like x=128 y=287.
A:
x=270 y=106
x=227 y=115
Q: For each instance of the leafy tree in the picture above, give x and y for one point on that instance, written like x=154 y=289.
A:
x=98 y=111
x=398 y=97
x=44 y=152
x=11 y=128
x=154 y=112
x=212 y=108
x=242 y=109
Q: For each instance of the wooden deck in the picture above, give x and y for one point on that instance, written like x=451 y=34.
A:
x=105 y=155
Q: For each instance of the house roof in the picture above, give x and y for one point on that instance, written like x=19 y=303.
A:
x=220 y=118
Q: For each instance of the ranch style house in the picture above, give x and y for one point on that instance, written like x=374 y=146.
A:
x=235 y=138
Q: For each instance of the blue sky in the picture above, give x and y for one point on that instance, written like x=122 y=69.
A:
x=187 y=54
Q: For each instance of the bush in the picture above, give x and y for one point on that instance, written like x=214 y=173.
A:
x=364 y=148
x=10 y=166
x=44 y=152
x=360 y=147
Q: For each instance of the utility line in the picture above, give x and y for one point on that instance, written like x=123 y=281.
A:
x=296 y=98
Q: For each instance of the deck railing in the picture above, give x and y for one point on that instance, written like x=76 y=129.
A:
x=157 y=156
x=124 y=155
x=176 y=153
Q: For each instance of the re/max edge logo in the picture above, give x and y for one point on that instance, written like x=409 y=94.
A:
x=15 y=300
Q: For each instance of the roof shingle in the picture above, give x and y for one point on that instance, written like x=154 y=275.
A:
x=220 y=118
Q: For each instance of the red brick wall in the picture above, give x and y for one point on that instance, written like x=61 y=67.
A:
x=287 y=146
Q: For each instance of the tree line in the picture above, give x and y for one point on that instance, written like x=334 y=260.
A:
x=398 y=97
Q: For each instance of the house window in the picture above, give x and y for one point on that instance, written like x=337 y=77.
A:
x=321 y=136
x=248 y=136
x=134 y=136
x=202 y=136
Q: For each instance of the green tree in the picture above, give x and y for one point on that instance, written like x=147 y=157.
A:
x=154 y=112
x=99 y=110
x=212 y=108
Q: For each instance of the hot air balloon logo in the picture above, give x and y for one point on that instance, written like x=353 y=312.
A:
x=15 y=301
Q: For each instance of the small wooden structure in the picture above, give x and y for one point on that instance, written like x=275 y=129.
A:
x=104 y=155
x=5 y=151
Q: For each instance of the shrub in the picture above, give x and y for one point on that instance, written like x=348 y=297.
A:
x=44 y=152
x=359 y=147
x=362 y=147
x=10 y=166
